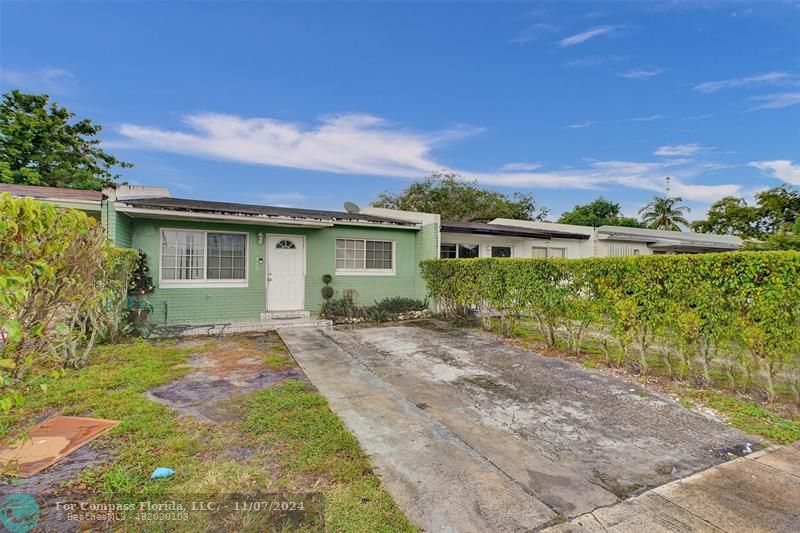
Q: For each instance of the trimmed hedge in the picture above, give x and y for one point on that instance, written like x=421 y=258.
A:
x=739 y=310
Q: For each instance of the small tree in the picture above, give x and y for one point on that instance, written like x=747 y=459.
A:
x=458 y=199
x=664 y=213
x=41 y=144
x=599 y=212
x=141 y=281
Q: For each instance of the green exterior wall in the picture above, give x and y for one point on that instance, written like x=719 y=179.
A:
x=196 y=305
x=427 y=247
x=119 y=226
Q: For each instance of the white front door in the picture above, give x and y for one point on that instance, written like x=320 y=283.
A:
x=286 y=272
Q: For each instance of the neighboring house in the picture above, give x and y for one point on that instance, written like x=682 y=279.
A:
x=607 y=241
x=473 y=239
x=229 y=262
x=504 y=237
x=89 y=202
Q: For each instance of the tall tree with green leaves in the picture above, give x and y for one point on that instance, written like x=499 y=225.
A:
x=598 y=212
x=779 y=208
x=731 y=216
x=457 y=199
x=41 y=143
x=665 y=213
x=775 y=213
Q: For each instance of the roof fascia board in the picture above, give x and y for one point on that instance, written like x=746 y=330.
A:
x=248 y=219
x=86 y=205
x=139 y=212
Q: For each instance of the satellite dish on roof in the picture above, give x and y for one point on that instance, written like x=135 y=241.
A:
x=351 y=208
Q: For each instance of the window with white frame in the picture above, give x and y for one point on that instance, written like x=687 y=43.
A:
x=542 y=252
x=448 y=251
x=458 y=251
x=619 y=250
x=538 y=252
x=203 y=256
x=226 y=255
x=364 y=255
x=501 y=251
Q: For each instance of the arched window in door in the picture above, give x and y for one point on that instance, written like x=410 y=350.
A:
x=285 y=244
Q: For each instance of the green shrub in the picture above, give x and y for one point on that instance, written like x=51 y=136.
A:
x=62 y=289
x=712 y=308
x=400 y=304
x=337 y=308
x=344 y=309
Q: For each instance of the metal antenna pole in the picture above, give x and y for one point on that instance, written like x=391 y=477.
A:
x=667 y=180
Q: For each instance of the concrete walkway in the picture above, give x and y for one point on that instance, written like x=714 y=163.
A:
x=438 y=481
x=760 y=492
x=469 y=434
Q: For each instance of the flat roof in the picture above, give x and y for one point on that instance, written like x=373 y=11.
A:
x=226 y=208
x=658 y=236
x=478 y=228
x=51 y=193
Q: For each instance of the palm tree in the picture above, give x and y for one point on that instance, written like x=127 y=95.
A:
x=665 y=213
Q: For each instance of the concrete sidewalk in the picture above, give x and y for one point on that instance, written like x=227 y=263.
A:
x=760 y=492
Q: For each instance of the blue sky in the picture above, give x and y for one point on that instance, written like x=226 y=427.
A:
x=312 y=104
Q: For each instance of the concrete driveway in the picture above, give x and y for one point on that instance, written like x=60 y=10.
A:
x=469 y=434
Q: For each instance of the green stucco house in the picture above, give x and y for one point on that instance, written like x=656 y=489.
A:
x=216 y=261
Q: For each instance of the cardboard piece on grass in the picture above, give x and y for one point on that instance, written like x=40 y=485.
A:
x=49 y=442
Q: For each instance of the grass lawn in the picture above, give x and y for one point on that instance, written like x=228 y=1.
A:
x=293 y=442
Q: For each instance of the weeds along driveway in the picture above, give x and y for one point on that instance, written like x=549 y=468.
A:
x=568 y=440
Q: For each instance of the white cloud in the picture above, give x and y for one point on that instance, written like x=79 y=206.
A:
x=640 y=74
x=648 y=118
x=592 y=61
x=678 y=150
x=367 y=145
x=50 y=80
x=775 y=101
x=782 y=169
x=770 y=78
x=521 y=166
x=589 y=123
x=348 y=143
x=533 y=32
x=647 y=176
x=584 y=124
x=584 y=36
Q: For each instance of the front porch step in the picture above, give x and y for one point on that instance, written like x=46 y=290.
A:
x=254 y=326
x=285 y=315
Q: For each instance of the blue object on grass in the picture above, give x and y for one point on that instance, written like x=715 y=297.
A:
x=162 y=472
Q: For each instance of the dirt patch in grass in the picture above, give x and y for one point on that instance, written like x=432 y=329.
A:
x=227 y=368
x=191 y=406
